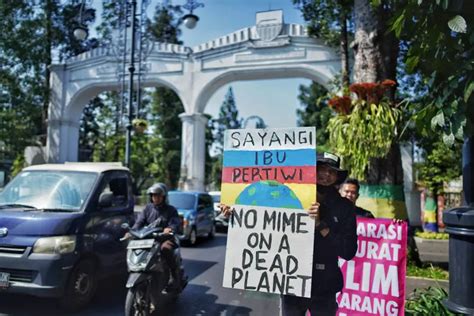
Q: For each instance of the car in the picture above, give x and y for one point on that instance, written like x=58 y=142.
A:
x=197 y=213
x=60 y=229
x=222 y=222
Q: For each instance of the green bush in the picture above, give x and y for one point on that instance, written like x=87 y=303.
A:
x=427 y=271
x=427 y=301
x=432 y=235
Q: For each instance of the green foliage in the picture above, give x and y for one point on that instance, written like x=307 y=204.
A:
x=165 y=108
x=366 y=133
x=432 y=235
x=89 y=129
x=458 y=24
x=166 y=105
x=427 y=301
x=314 y=111
x=216 y=171
x=442 y=163
x=12 y=144
x=325 y=17
x=18 y=165
x=228 y=119
x=440 y=53
x=167 y=22
x=427 y=271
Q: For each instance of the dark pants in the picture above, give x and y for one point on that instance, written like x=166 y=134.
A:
x=171 y=257
x=318 y=306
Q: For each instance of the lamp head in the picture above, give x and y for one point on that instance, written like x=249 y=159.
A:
x=80 y=33
x=190 y=20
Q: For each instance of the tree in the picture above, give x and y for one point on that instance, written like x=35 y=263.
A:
x=166 y=105
x=331 y=21
x=315 y=112
x=30 y=34
x=441 y=54
x=228 y=119
x=89 y=132
x=375 y=59
x=442 y=163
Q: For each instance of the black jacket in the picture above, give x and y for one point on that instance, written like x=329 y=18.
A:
x=337 y=213
x=168 y=214
x=362 y=212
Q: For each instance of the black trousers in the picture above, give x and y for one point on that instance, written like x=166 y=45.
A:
x=318 y=306
x=168 y=252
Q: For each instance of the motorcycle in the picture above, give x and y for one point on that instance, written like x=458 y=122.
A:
x=149 y=273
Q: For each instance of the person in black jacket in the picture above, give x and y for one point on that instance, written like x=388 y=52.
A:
x=163 y=215
x=335 y=236
x=350 y=190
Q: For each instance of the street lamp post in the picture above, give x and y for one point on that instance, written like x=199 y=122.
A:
x=131 y=70
x=80 y=32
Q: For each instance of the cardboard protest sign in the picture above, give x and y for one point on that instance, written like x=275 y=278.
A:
x=374 y=280
x=269 y=178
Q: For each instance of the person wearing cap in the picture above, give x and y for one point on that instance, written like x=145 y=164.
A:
x=350 y=190
x=335 y=236
x=163 y=215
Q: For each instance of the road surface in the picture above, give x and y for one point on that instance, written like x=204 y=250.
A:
x=204 y=294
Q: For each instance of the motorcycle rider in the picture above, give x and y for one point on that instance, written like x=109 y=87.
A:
x=164 y=215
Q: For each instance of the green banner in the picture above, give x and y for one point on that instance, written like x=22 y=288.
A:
x=384 y=201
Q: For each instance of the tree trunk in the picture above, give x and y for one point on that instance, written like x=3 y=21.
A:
x=375 y=59
x=344 y=48
x=368 y=59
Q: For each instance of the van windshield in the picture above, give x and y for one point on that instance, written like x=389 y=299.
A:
x=49 y=190
x=182 y=200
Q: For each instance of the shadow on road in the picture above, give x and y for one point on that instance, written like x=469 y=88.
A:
x=195 y=301
x=109 y=300
x=194 y=268
x=206 y=243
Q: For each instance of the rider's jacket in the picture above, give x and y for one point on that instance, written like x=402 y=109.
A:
x=167 y=214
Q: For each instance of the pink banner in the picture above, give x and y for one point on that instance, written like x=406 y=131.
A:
x=374 y=280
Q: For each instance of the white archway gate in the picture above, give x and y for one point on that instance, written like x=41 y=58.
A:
x=268 y=50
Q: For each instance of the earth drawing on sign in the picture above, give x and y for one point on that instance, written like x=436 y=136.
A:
x=269 y=193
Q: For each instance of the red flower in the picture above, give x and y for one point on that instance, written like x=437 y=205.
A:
x=389 y=83
x=371 y=92
x=341 y=105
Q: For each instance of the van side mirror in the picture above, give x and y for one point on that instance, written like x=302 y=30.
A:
x=105 y=199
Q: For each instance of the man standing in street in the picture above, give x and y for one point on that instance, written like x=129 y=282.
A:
x=350 y=190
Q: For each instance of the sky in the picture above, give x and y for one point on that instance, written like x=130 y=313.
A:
x=275 y=101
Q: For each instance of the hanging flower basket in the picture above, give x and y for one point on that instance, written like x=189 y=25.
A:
x=140 y=125
x=365 y=125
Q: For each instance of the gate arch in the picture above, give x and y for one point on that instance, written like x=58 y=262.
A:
x=194 y=74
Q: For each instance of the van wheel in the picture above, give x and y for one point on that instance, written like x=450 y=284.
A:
x=193 y=237
x=212 y=233
x=80 y=287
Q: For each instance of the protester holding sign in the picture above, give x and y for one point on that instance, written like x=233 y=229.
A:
x=335 y=237
x=350 y=190
x=269 y=180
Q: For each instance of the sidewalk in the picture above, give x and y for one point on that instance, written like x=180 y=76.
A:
x=415 y=282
